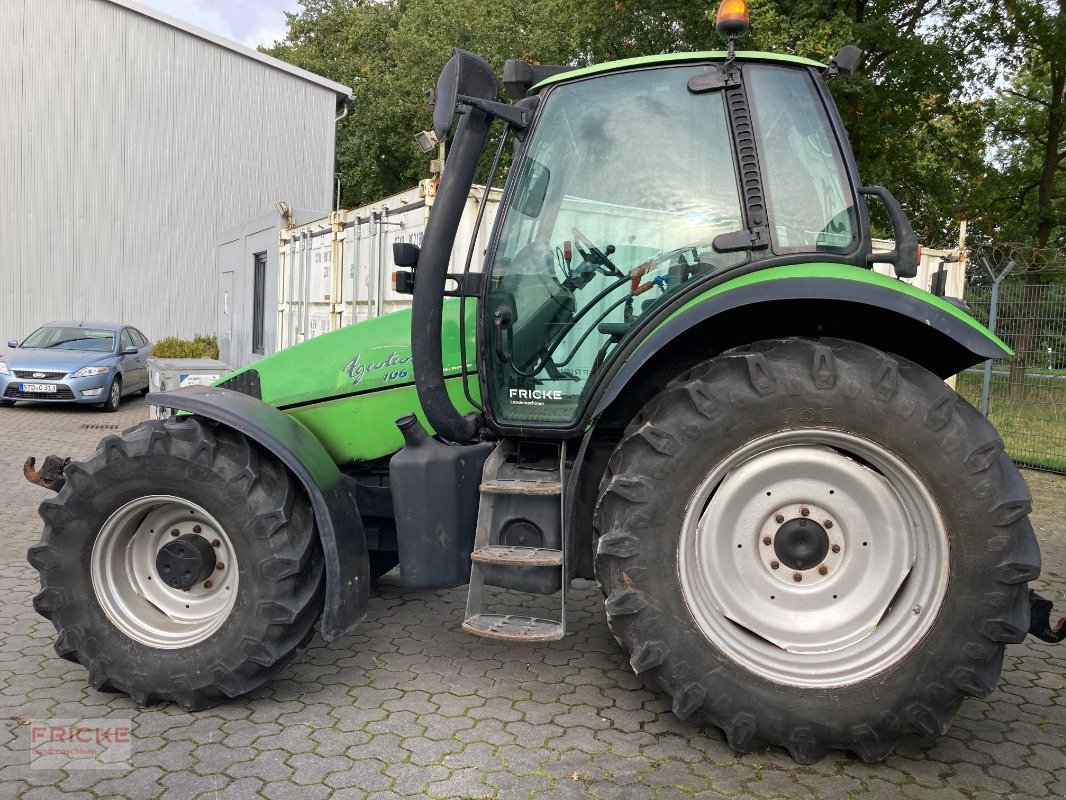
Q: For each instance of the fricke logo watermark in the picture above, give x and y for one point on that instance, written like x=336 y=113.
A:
x=81 y=743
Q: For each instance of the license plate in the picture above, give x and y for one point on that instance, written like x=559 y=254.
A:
x=44 y=388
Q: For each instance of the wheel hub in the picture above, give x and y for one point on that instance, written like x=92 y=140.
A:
x=801 y=544
x=164 y=571
x=186 y=561
x=813 y=557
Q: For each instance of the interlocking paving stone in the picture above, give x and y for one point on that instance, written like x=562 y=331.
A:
x=410 y=706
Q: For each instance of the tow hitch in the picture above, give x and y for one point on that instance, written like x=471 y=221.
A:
x=1040 y=620
x=50 y=475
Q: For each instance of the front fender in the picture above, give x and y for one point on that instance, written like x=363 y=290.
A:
x=332 y=494
x=815 y=300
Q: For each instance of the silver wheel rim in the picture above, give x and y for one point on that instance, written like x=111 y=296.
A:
x=850 y=614
x=131 y=591
x=115 y=390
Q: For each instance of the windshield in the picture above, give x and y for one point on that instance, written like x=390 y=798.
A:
x=626 y=182
x=74 y=338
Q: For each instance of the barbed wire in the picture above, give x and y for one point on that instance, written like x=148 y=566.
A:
x=1025 y=258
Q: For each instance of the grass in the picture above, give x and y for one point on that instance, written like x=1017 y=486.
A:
x=1034 y=428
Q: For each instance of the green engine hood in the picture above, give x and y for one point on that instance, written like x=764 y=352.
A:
x=350 y=385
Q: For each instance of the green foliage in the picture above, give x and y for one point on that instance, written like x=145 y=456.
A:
x=918 y=113
x=202 y=346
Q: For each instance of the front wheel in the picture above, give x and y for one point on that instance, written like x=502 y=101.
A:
x=114 y=395
x=180 y=562
x=815 y=545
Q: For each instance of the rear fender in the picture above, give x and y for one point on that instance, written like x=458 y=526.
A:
x=332 y=494
x=814 y=301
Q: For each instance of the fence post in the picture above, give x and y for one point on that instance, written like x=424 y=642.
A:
x=993 y=309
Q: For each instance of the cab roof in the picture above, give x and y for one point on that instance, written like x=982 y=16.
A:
x=672 y=58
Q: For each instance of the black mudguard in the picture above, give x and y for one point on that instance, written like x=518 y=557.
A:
x=332 y=494
x=896 y=322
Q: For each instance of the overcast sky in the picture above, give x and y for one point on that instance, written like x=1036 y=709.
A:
x=250 y=22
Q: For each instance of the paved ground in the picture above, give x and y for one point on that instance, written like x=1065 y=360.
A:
x=414 y=707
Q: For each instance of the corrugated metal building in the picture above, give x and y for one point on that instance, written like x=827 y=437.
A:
x=128 y=141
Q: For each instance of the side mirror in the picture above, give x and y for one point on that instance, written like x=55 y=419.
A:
x=464 y=74
x=534 y=181
x=846 y=61
x=12 y=343
x=905 y=256
x=130 y=351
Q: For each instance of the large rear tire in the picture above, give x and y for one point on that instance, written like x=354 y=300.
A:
x=815 y=545
x=122 y=609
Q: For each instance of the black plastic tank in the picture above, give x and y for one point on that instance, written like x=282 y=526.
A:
x=435 y=493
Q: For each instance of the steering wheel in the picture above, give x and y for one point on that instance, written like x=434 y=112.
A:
x=593 y=254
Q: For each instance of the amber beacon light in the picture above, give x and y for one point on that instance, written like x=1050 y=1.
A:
x=732 y=18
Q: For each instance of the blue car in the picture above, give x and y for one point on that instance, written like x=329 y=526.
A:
x=76 y=362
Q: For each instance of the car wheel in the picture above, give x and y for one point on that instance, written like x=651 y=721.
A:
x=145 y=391
x=114 y=395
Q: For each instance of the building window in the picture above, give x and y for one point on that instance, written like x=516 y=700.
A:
x=258 y=301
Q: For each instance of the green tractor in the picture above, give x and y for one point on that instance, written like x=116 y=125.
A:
x=676 y=374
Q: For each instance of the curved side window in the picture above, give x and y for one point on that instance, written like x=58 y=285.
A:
x=810 y=203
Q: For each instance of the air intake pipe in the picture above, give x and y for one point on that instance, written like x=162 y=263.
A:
x=465 y=74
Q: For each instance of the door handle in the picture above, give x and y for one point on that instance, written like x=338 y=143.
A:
x=501 y=319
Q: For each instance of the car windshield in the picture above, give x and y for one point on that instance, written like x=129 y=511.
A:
x=74 y=338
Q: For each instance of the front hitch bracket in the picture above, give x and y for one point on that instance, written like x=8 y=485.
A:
x=1040 y=620
x=50 y=475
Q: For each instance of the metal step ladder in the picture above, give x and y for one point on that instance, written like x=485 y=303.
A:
x=504 y=476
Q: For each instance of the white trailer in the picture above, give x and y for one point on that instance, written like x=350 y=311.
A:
x=338 y=270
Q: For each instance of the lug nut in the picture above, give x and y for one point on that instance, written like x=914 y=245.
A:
x=774 y=565
x=196 y=529
x=208 y=584
x=836 y=548
x=220 y=566
x=829 y=523
x=779 y=518
x=805 y=512
x=823 y=570
x=766 y=540
x=797 y=577
x=917 y=611
x=174 y=532
x=216 y=543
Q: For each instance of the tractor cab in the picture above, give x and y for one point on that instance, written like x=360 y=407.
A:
x=635 y=185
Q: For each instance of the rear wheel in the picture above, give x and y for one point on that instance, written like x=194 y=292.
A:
x=180 y=562
x=791 y=540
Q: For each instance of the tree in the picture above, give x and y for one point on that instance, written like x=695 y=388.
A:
x=1025 y=197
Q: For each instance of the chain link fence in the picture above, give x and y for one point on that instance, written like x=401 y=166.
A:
x=1024 y=289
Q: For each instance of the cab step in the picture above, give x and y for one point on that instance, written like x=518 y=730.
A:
x=505 y=486
x=518 y=556
x=521 y=498
x=511 y=628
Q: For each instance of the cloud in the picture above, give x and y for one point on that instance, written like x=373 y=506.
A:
x=250 y=22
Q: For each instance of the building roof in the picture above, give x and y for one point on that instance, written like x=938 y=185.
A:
x=671 y=58
x=339 y=89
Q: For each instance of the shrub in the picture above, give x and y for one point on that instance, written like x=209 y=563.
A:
x=202 y=346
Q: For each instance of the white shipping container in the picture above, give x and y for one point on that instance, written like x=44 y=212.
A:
x=338 y=270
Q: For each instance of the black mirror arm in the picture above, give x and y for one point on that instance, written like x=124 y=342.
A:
x=514 y=116
x=904 y=257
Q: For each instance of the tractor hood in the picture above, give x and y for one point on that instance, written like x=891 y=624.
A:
x=350 y=385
